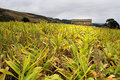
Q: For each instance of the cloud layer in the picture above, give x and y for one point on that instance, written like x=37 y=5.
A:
x=98 y=10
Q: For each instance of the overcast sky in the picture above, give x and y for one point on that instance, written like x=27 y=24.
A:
x=97 y=10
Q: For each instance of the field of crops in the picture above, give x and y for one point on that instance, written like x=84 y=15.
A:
x=49 y=51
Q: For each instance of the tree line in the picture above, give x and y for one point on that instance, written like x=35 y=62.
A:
x=111 y=23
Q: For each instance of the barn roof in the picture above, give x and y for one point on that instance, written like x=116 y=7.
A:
x=89 y=20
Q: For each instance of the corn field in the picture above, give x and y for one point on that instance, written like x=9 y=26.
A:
x=55 y=51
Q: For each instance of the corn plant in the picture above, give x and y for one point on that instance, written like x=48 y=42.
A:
x=56 y=51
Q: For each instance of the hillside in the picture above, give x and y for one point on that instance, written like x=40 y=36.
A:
x=8 y=15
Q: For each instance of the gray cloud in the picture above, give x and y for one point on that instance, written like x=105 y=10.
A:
x=98 y=10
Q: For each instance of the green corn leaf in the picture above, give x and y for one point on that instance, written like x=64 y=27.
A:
x=26 y=63
x=9 y=57
x=8 y=73
x=34 y=74
x=53 y=77
x=13 y=66
x=64 y=75
x=28 y=53
x=86 y=72
x=29 y=71
x=16 y=60
x=46 y=65
x=32 y=65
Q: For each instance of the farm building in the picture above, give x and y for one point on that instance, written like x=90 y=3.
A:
x=87 y=22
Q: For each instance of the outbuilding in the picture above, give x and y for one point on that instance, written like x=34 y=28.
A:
x=86 y=22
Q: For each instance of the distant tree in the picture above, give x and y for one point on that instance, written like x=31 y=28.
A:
x=25 y=19
x=6 y=18
x=111 y=23
x=98 y=24
x=105 y=24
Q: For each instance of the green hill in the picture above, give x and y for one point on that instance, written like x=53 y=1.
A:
x=10 y=15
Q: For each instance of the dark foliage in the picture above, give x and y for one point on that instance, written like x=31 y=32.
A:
x=1 y=11
x=6 y=18
x=25 y=19
x=98 y=24
x=64 y=21
x=111 y=23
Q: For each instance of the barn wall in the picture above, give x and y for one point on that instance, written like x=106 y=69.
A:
x=87 y=22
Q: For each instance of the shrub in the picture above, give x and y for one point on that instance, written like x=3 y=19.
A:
x=25 y=19
x=6 y=18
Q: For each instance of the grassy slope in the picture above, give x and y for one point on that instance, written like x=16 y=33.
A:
x=8 y=15
x=58 y=51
